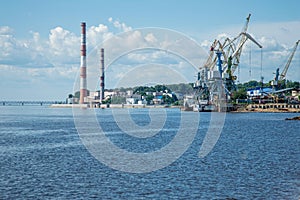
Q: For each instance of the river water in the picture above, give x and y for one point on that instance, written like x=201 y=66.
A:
x=42 y=157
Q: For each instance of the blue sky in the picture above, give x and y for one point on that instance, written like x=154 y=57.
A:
x=40 y=39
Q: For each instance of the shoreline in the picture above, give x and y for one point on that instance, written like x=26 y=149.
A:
x=265 y=111
x=264 y=108
x=104 y=106
x=270 y=108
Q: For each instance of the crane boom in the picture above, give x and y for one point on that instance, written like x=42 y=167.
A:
x=237 y=50
x=283 y=73
x=247 y=36
x=244 y=37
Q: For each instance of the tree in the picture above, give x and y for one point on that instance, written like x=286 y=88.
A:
x=251 y=84
x=149 y=98
x=167 y=99
x=107 y=101
x=291 y=84
x=239 y=94
x=118 y=100
x=122 y=89
x=77 y=94
x=183 y=88
x=143 y=89
x=161 y=88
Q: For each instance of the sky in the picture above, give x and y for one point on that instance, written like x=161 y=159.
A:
x=145 y=42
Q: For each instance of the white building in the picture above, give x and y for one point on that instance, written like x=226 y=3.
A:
x=72 y=100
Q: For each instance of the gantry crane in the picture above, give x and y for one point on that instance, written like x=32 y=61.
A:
x=281 y=77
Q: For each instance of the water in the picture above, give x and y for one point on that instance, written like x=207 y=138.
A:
x=42 y=157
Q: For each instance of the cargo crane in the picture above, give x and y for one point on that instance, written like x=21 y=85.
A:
x=208 y=90
x=281 y=77
x=211 y=61
x=233 y=59
x=230 y=64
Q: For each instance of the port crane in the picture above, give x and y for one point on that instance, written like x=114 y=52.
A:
x=281 y=77
x=233 y=59
x=225 y=56
x=217 y=44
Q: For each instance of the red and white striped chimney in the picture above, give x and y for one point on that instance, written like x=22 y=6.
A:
x=102 y=76
x=83 y=84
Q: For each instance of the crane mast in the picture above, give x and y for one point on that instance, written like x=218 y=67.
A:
x=281 y=77
x=244 y=37
x=284 y=71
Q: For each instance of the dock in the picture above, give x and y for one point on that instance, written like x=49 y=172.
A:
x=271 y=107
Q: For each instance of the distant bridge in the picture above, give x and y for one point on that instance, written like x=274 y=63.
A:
x=28 y=103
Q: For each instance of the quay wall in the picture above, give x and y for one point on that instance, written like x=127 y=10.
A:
x=273 y=107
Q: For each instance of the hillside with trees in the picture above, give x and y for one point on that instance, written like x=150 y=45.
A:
x=173 y=93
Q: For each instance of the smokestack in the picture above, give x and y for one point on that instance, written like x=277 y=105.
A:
x=83 y=85
x=102 y=76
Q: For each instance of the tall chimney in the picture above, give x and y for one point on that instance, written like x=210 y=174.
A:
x=83 y=85
x=102 y=76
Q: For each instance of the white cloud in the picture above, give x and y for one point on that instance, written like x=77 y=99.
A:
x=285 y=33
x=206 y=44
x=223 y=36
x=150 y=38
x=63 y=42
x=270 y=44
x=97 y=34
x=14 y=51
x=139 y=57
x=6 y=30
x=120 y=25
x=151 y=47
x=149 y=74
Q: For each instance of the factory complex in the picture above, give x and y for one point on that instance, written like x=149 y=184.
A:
x=214 y=90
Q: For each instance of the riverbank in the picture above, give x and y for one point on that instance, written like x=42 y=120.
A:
x=69 y=106
x=103 y=106
x=271 y=108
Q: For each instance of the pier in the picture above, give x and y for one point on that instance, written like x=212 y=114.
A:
x=28 y=103
x=273 y=107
